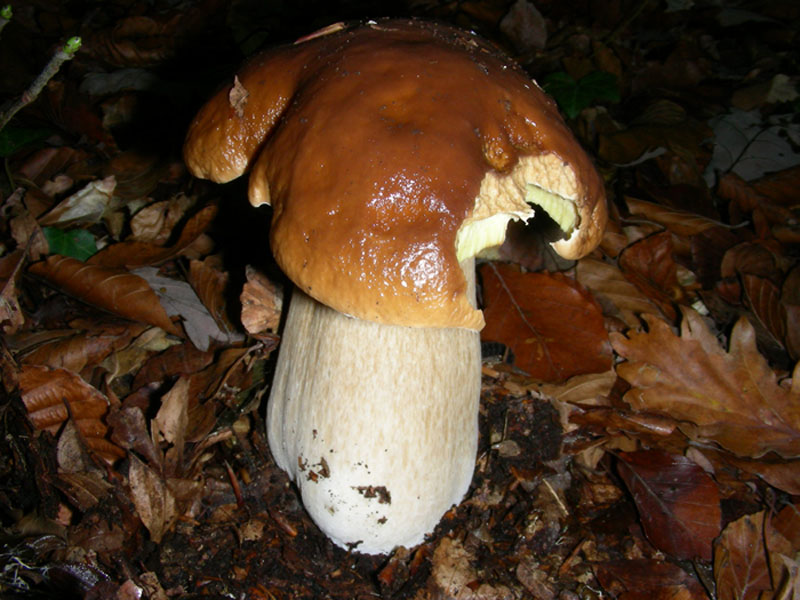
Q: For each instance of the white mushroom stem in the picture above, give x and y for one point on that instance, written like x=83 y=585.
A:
x=376 y=424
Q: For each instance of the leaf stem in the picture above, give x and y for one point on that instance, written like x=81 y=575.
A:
x=67 y=52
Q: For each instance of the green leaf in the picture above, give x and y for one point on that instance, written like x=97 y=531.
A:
x=573 y=96
x=76 y=243
x=14 y=138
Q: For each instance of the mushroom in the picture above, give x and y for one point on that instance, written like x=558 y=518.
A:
x=392 y=153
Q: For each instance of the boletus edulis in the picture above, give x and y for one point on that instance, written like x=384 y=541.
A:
x=391 y=153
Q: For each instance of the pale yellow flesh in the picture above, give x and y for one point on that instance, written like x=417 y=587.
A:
x=542 y=181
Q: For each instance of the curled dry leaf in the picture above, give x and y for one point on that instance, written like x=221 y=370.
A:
x=554 y=327
x=113 y=290
x=152 y=498
x=618 y=296
x=46 y=392
x=650 y=266
x=741 y=568
x=11 y=317
x=83 y=348
x=137 y=254
x=677 y=221
x=678 y=502
x=731 y=398
x=262 y=303
x=210 y=282
x=156 y=222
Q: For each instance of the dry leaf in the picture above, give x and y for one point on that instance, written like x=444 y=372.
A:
x=113 y=290
x=644 y=579
x=618 y=296
x=554 y=327
x=137 y=254
x=650 y=266
x=741 y=569
x=731 y=398
x=80 y=348
x=153 y=500
x=46 y=392
x=678 y=502
x=679 y=222
x=86 y=206
x=262 y=302
x=11 y=317
x=180 y=300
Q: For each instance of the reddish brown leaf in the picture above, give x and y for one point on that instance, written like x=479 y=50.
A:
x=644 y=579
x=618 y=296
x=780 y=187
x=751 y=258
x=680 y=222
x=650 y=266
x=732 y=398
x=763 y=298
x=678 y=502
x=114 y=290
x=82 y=348
x=180 y=359
x=46 y=392
x=554 y=326
x=741 y=568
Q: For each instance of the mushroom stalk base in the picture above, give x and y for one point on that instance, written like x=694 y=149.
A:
x=376 y=424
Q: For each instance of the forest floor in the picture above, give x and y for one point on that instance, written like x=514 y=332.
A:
x=647 y=448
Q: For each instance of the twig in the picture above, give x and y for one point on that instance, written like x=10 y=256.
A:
x=64 y=54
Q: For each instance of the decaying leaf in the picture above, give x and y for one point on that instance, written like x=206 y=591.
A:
x=136 y=254
x=731 y=398
x=678 y=502
x=114 y=290
x=554 y=327
x=262 y=302
x=616 y=294
x=741 y=568
x=153 y=500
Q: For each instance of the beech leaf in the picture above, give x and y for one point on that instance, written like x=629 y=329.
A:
x=732 y=398
x=554 y=327
x=113 y=290
x=741 y=568
x=677 y=501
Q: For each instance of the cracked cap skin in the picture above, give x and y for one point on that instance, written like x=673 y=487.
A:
x=372 y=143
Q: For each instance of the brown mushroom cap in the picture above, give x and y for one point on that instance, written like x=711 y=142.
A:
x=372 y=145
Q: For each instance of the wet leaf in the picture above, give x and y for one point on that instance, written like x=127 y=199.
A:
x=731 y=398
x=553 y=326
x=677 y=501
x=113 y=290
